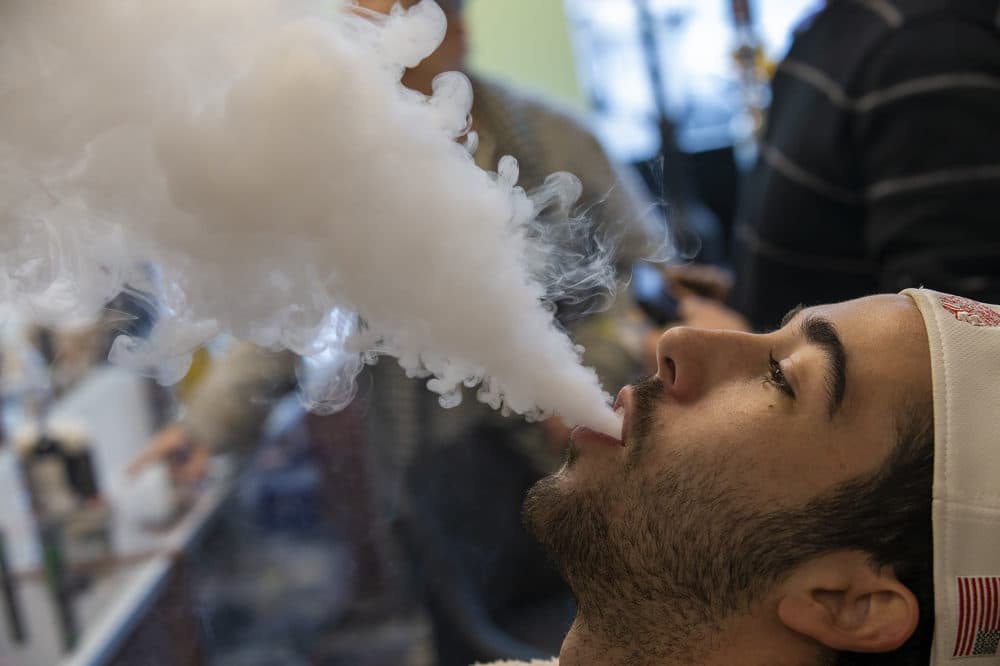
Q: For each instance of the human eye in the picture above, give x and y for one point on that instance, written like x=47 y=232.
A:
x=776 y=377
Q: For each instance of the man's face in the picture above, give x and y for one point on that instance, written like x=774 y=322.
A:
x=723 y=449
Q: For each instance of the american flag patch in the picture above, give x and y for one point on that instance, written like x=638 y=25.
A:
x=978 y=617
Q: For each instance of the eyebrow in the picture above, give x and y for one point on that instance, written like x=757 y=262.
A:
x=821 y=332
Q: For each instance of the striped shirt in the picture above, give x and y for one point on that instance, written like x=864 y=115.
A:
x=880 y=165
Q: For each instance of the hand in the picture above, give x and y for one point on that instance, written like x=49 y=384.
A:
x=704 y=313
x=701 y=280
x=186 y=457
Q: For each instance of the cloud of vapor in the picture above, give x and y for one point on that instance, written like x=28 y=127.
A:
x=257 y=167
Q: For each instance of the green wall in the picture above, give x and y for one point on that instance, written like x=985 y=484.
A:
x=525 y=42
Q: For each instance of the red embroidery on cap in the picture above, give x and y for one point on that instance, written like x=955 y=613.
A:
x=971 y=312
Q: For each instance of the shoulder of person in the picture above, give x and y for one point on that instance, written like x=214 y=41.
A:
x=929 y=38
x=530 y=106
x=853 y=50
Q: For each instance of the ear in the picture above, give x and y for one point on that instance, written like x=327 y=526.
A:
x=839 y=601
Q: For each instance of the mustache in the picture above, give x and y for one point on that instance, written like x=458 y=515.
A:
x=647 y=393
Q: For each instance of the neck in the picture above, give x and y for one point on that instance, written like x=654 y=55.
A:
x=749 y=641
x=423 y=83
x=415 y=79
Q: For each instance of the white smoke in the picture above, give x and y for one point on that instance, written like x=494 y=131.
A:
x=258 y=168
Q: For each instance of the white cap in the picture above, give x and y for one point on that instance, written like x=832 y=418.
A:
x=964 y=340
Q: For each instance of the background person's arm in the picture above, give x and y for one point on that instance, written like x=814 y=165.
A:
x=226 y=411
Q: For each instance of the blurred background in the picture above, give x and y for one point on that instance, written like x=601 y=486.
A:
x=133 y=533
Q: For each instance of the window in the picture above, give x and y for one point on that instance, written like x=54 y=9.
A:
x=694 y=41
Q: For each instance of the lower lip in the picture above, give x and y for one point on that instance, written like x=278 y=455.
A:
x=583 y=433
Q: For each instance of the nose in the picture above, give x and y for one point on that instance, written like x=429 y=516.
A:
x=690 y=361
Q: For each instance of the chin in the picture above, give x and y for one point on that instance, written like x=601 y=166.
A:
x=571 y=522
x=586 y=471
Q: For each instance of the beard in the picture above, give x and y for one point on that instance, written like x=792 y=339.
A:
x=662 y=559
x=658 y=562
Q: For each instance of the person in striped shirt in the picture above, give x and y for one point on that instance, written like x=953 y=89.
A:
x=879 y=168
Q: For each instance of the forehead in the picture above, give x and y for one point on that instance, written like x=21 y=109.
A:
x=877 y=322
x=887 y=350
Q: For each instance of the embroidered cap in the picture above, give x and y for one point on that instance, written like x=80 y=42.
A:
x=964 y=341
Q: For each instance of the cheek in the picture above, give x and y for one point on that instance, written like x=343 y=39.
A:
x=756 y=444
x=727 y=423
